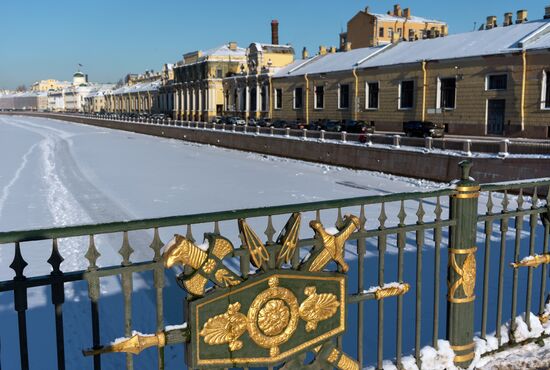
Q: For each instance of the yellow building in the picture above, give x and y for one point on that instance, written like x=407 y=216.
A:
x=247 y=94
x=370 y=29
x=46 y=85
x=198 y=91
x=490 y=82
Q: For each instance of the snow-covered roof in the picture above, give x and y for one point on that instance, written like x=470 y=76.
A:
x=331 y=62
x=414 y=19
x=224 y=51
x=139 y=87
x=271 y=48
x=501 y=40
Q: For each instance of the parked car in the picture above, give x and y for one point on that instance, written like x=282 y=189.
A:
x=332 y=126
x=279 y=123
x=357 y=127
x=295 y=125
x=252 y=122
x=217 y=120
x=264 y=122
x=236 y=121
x=423 y=129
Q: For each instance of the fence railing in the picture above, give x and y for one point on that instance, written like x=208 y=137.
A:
x=465 y=146
x=401 y=283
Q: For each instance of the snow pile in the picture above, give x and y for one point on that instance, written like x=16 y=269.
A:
x=433 y=359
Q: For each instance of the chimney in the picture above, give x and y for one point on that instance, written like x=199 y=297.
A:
x=332 y=49
x=508 y=19
x=305 y=54
x=444 y=30
x=347 y=46
x=232 y=46
x=322 y=50
x=397 y=10
x=521 y=16
x=491 y=22
x=275 y=32
x=547 y=12
x=407 y=13
x=367 y=9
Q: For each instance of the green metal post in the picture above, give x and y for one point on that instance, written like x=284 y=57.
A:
x=461 y=273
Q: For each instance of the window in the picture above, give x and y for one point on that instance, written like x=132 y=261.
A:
x=545 y=96
x=381 y=32
x=219 y=73
x=390 y=32
x=278 y=98
x=399 y=32
x=372 y=95
x=406 y=94
x=447 y=93
x=497 y=82
x=319 y=97
x=298 y=98
x=264 y=96
x=343 y=97
x=253 y=99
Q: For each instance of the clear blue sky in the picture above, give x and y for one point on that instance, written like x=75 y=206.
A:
x=48 y=38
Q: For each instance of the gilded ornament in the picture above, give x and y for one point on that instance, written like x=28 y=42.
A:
x=288 y=240
x=209 y=266
x=222 y=247
x=258 y=252
x=273 y=317
x=466 y=273
x=196 y=284
x=383 y=293
x=333 y=245
x=317 y=307
x=532 y=261
x=260 y=335
x=184 y=252
x=226 y=278
x=226 y=328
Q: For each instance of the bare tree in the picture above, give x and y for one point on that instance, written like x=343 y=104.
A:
x=21 y=88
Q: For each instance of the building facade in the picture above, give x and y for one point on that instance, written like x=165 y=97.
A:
x=198 y=88
x=50 y=84
x=370 y=29
x=248 y=94
x=489 y=82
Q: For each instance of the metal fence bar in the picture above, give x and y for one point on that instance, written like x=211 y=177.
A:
x=401 y=241
x=93 y=293
x=20 y=300
x=486 y=266
x=503 y=231
x=127 y=287
x=532 y=233
x=381 y=265
x=437 y=269
x=518 y=224
x=158 y=282
x=58 y=298
x=542 y=297
x=419 y=246
x=361 y=250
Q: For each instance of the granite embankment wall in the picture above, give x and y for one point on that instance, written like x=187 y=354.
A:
x=416 y=164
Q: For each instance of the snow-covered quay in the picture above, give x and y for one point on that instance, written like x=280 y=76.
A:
x=59 y=174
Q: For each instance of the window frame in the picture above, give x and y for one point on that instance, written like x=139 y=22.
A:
x=439 y=94
x=278 y=99
x=315 y=102
x=381 y=32
x=400 y=96
x=340 y=107
x=294 y=100
x=545 y=91
x=367 y=96
x=488 y=81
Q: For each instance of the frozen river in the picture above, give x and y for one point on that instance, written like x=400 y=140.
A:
x=55 y=173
